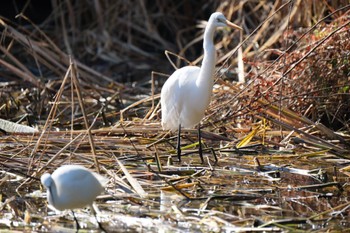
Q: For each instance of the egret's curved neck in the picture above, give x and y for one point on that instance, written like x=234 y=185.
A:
x=209 y=59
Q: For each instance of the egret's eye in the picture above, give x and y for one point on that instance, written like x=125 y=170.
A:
x=219 y=20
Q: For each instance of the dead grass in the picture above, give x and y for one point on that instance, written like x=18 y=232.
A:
x=281 y=138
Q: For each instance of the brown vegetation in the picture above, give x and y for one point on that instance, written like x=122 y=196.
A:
x=82 y=77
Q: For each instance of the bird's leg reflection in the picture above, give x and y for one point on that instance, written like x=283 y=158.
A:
x=200 y=150
x=179 y=143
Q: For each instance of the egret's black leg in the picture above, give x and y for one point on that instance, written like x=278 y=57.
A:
x=94 y=212
x=179 y=143
x=76 y=221
x=200 y=150
x=99 y=224
x=214 y=154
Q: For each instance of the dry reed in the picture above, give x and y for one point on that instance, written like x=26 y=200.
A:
x=83 y=79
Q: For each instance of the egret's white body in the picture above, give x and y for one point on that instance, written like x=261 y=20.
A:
x=72 y=186
x=182 y=100
x=187 y=92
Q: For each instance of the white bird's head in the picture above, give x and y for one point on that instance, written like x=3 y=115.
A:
x=46 y=180
x=217 y=19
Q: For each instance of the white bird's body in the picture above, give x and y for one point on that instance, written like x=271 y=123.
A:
x=72 y=186
x=186 y=94
x=190 y=104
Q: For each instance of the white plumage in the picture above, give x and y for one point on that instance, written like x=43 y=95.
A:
x=72 y=186
x=187 y=107
x=186 y=94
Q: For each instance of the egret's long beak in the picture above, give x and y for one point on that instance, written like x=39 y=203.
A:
x=232 y=25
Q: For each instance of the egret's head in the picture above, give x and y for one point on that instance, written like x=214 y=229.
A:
x=219 y=20
x=46 y=180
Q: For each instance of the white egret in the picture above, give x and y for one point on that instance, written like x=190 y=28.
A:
x=187 y=92
x=72 y=187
